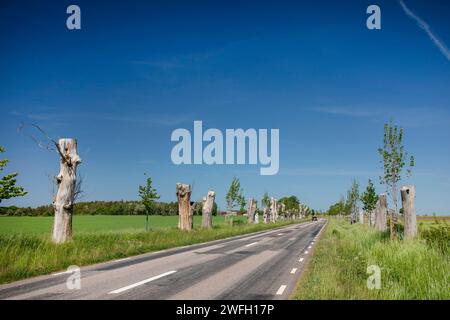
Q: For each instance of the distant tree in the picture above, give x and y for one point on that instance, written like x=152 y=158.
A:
x=393 y=159
x=148 y=195
x=265 y=201
x=337 y=208
x=291 y=203
x=234 y=196
x=369 y=198
x=8 y=188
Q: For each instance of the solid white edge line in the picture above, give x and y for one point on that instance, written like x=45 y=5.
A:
x=294 y=270
x=281 y=290
x=251 y=244
x=134 y=285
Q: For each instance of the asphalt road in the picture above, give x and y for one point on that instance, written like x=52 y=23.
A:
x=262 y=266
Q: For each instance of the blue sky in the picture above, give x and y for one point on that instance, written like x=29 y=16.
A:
x=134 y=73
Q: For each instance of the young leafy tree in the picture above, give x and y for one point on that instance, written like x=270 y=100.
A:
x=8 y=188
x=352 y=197
x=148 y=195
x=265 y=201
x=234 y=196
x=393 y=158
x=369 y=198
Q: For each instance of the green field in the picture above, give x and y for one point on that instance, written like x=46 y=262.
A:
x=414 y=269
x=26 y=249
x=82 y=223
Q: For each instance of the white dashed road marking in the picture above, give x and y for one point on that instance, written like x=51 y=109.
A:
x=134 y=285
x=281 y=290
x=294 y=270
x=251 y=244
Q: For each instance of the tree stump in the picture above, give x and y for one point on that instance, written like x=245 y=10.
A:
x=65 y=195
x=408 y=194
x=208 y=205
x=184 y=206
x=380 y=213
x=251 y=210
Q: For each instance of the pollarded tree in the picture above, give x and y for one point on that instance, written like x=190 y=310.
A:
x=393 y=158
x=369 y=199
x=234 y=196
x=148 y=196
x=8 y=188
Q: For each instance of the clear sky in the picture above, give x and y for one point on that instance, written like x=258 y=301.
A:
x=135 y=72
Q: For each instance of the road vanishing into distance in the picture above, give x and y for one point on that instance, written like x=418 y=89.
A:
x=259 y=266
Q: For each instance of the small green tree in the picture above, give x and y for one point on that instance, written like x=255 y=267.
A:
x=352 y=197
x=393 y=159
x=148 y=195
x=234 y=196
x=8 y=188
x=369 y=198
x=265 y=201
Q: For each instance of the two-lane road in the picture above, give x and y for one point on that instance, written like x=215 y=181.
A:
x=263 y=265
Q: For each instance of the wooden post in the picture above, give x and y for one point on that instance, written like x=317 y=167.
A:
x=65 y=195
x=408 y=194
x=251 y=210
x=208 y=205
x=184 y=206
x=380 y=213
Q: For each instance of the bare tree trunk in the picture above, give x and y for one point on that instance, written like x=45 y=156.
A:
x=184 y=206
x=372 y=218
x=273 y=210
x=380 y=213
x=361 y=216
x=208 y=204
x=251 y=210
x=408 y=194
x=266 y=215
x=65 y=195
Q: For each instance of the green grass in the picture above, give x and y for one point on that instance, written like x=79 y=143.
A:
x=24 y=255
x=82 y=223
x=409 y=269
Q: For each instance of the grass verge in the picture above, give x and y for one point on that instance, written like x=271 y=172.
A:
x=338 y=270
x=23 y=256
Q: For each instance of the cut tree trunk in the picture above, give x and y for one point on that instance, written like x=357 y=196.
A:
x=65 y=195
x=208 y=205
x=184 y=206
x=266 y=215
x=380 y=213
x=273 y=210
x=408 y=194
x=251 y=210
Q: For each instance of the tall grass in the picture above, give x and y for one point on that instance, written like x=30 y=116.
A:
x=23 y=255
x=338 y=270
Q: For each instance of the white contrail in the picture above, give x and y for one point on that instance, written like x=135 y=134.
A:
x=422 y=24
